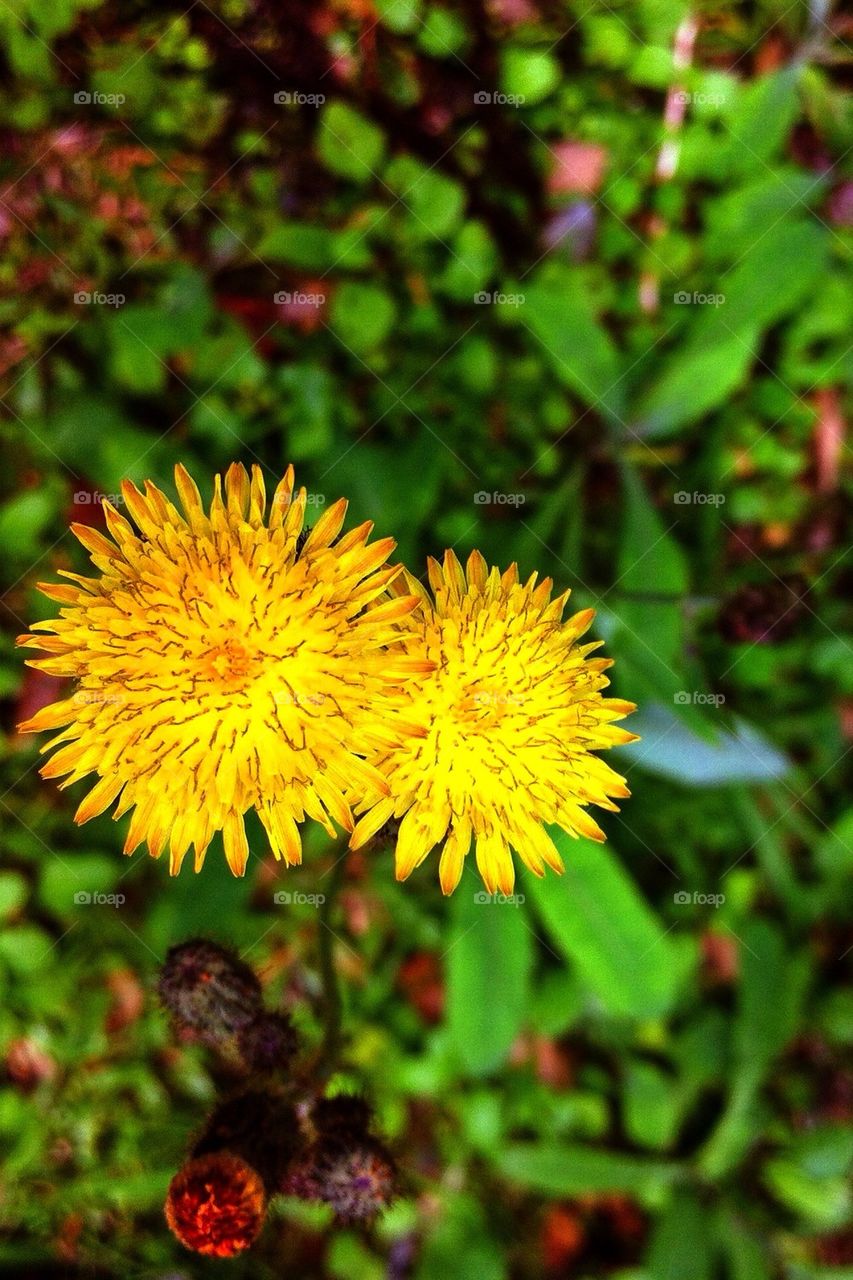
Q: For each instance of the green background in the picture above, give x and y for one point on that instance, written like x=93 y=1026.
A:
x=643 y=1069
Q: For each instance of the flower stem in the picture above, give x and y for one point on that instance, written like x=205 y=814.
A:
x=332 y=1001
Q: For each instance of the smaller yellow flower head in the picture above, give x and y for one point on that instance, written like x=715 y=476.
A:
x=224 y=661
x=504 y=728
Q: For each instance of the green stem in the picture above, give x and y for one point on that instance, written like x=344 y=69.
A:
x=332 y=1001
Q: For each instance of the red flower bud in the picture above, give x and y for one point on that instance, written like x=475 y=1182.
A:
x=216 y=1205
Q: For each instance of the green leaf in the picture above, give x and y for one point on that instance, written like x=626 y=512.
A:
x=769 y=995
x=529 y=74
x=313 y=248
x=489 y=952
x=672 y=749
x=26 y=949
x=348 y=143
x=771 y=280
x=596 y=916
x=824 y=1203
x=433 y=201
x=308 y=409
x=564 y=1169
x=651 y=1108
x=556 y=1003
x=746 y=1254
x=398 y=15
x=681 y=1247
x=767 y=282
x=362 y=316
x=693 y=383
x=649 y=557
x=76 y=874
x=13 y=892
x=472 y=265
x=442 y=32
x=460 y=1244
x=24 y=519
x=559 y=312
x=737 y=220
x=762 y=118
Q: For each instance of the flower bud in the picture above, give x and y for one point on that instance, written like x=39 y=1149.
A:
x=355 y=1175
x=209 y=989
x=260 y=1127
x=344 y=1114
x=269 y=1043
x=216 y=1205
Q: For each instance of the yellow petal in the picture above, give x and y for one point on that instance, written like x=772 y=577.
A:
x=236 y=844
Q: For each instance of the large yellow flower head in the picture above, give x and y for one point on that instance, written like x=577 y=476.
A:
x=509 y=720
x=224 y=661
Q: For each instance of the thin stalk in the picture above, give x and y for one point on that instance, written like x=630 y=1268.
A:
x=327 y=1056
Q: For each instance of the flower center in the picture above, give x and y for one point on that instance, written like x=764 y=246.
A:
x=230 y=663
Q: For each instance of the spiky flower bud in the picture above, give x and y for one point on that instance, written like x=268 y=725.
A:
x=345 y=1166
x=355 y=1175
x=209 y=989
x=216 y=1205
x=261 y=1127
x=344 y=1114
x=269 y=1043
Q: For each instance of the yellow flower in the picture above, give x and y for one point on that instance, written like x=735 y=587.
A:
x=224 y=662
x=508 y=720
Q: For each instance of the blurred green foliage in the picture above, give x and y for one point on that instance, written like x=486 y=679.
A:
x=421 y=251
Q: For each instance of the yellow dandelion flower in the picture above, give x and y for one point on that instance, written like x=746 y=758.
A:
x=509 y=720
x=224 y=661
